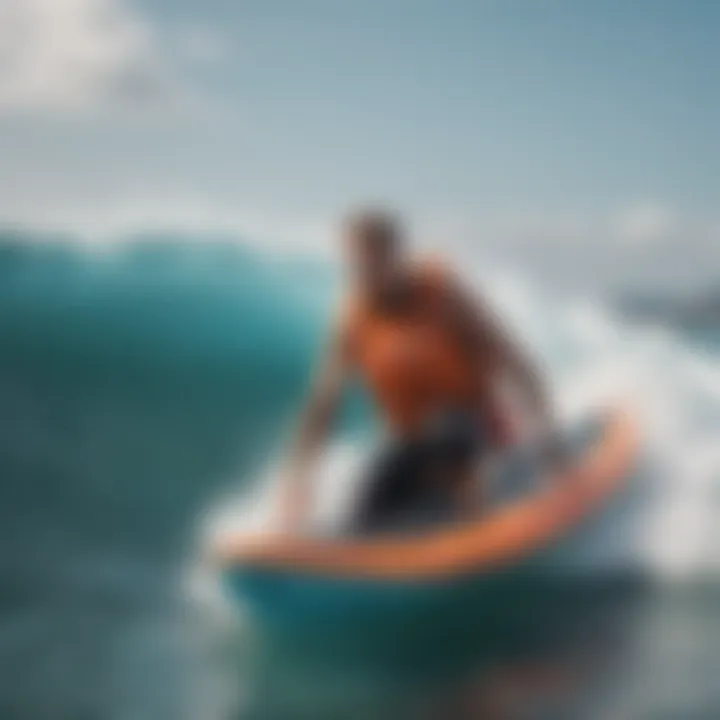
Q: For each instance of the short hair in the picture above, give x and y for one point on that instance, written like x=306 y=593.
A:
x=378 y=226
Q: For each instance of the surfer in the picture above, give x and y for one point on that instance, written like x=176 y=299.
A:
x=435 y=358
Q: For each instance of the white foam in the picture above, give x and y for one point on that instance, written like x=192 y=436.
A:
x=674 y=392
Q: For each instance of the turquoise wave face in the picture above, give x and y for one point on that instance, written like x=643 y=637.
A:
x=155 y=353
x=196 y=308
x=134 y=389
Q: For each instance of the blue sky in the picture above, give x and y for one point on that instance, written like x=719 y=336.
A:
x=538 y=123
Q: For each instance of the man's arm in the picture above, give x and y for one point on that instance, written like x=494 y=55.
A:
x=484 y=332
x=315 y=426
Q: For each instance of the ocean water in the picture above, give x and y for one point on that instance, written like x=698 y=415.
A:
x=145 y=392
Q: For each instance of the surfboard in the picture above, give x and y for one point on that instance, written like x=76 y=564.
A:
x=289 y=576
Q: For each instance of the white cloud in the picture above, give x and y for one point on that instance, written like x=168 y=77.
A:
x=645 y=224
x=76 y=55
x=645 y=247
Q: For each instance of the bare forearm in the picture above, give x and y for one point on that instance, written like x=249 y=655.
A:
x=314 y=428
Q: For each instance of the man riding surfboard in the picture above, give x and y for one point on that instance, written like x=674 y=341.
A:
x=434 y=358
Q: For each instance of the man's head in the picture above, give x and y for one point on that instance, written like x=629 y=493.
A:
x=375 y=245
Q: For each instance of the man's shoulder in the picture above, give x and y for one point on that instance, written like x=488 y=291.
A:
x=435 y=270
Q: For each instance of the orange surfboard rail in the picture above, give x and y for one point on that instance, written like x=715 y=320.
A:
x=493 y=540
